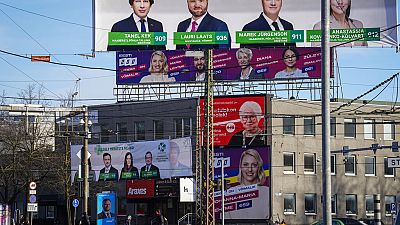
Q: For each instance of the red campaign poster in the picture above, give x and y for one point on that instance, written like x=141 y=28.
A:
x=238 y=121
x=140 y=189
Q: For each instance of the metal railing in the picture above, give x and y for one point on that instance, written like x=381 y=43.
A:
x=187 y=219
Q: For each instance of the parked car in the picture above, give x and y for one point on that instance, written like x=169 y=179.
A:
x=341 y=221
x=369 y=221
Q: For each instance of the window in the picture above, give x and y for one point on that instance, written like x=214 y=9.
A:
x=288 y=162
x=333 y=126
x=183 y=127
x=105 y=133
x=50 y=211
x=389 y=199
x=350 y=165
x=122 y=132
x=388 y=130
x=309 y=163
x=370 y=166
x=289 y=125
x=289 y=203
x=350 y=128
x=351 y=204
x=139 y=129
x=158 y=129
x=309 y=126
x=388 y=172
x=369 y=205
x=333 y=164
x=334 y=203
x=369 y=129
x=310 y=203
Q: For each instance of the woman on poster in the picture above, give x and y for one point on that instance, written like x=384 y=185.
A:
x=250 y=114
x=158 y=69
x=129 y=170
x=290 y=57
x=340 y=19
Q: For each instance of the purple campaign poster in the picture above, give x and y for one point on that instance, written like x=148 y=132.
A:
x=247 y=174
x=175 y=66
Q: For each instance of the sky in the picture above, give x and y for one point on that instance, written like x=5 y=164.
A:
x=27 y=34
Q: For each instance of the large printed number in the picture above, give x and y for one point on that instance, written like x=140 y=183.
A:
x=222 y=38
x=160 y=38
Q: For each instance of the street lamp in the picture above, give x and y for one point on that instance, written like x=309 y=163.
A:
x=73 y=96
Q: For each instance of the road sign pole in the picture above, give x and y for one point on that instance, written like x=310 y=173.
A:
x=74 y=215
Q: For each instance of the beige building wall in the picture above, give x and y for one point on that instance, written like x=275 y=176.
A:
x=301 y=183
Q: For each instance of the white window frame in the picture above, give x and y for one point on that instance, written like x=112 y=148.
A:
x=354 y=159
x=333 y=164
x=334 y=204
x=355 y=203
x=369 y=129
x=388 y=130
x=366 y=164
x=293 y=199
x=370 y=197
x=293 y=171
x=350 y=122
x=385 y=165
x=313 y=197
x=314 y=163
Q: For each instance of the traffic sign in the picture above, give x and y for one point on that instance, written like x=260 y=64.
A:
x=32 y=207
x=393 y=208
x=394 y=162
x=32 y=199
x=32 y=192
x=79 y=154
x=32 y=185
x=75 y=203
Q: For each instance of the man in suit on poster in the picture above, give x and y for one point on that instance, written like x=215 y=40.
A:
x=269 y=20
x=138 y=22
x=149 y=171
x=202 y=21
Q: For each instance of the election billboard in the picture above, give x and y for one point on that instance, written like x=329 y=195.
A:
x=136 y=160
x=246 y=172
x=239 y=120
x=228 y=65
x=106 y=208
x=119 y=26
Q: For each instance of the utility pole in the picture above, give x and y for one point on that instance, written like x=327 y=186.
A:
x=84 y=162
x=326 y=145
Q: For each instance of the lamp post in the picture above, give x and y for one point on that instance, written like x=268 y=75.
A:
x=84 y=161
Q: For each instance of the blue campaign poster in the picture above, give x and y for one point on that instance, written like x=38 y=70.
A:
x=106 y=208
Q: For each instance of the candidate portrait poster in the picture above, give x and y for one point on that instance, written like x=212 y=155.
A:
x=106 y=208
x=303 y=16
x=228 y=65
x=172 y=158
x=247 y=173
x=234 y=116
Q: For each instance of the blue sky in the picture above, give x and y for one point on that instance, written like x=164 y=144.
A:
x=63 y=40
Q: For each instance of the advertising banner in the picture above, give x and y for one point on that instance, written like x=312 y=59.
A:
x=238 y=121
x=167 y=24
x=106 y=208
x=228 y=65
x=246 y=172
x=187 y=192
x=136 y=160
x=140 y=189
x=166 y=188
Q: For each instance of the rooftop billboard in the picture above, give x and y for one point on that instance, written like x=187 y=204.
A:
x=173 y=66
x=238 y=23
x=136 y=160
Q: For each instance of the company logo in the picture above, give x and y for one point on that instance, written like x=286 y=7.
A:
x=127 y=61
x=230 y=127
x=162 y=147
x=137 y=191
